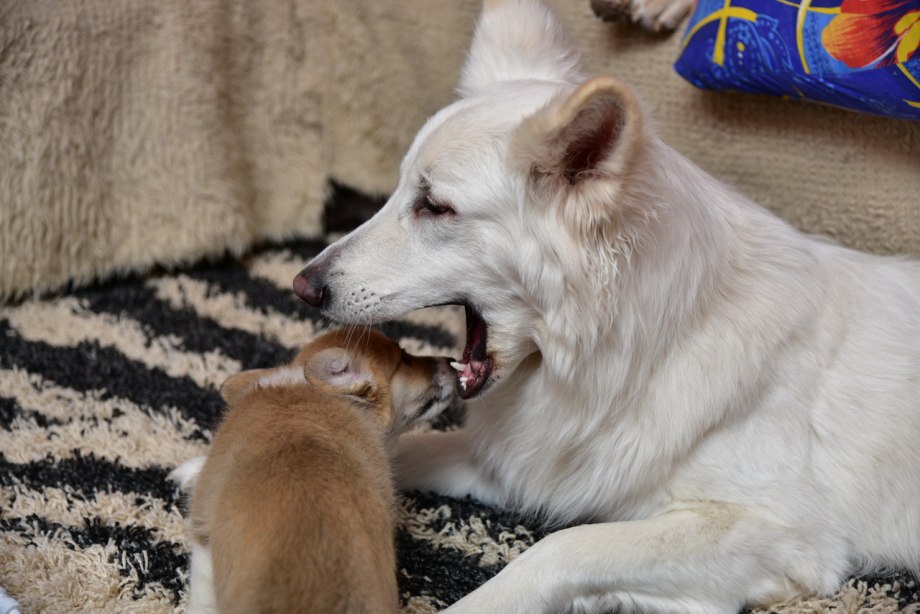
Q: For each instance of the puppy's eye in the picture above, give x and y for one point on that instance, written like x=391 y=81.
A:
x=425 y=205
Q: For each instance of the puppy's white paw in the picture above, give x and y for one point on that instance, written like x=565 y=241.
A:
x=8 y=605
x=655 y=15
x=186 y=474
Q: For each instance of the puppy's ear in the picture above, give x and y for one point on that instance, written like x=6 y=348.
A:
x=581 y=146
x=239 y=385
x=518 y=39
x=336 y=370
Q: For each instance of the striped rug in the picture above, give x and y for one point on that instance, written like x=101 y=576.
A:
x=104 y=390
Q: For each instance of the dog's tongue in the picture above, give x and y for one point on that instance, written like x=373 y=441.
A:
x=474 y=370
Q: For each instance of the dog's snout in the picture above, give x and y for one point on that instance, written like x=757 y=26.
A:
x=310 y=286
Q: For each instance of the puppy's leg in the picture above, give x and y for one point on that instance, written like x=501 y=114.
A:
x=201 y=597
x=442 y=462
x=705 y=558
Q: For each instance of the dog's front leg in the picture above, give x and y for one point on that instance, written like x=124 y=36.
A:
x=706 y=558
x=442 y=462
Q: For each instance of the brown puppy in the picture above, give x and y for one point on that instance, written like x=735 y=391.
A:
x=294 y=502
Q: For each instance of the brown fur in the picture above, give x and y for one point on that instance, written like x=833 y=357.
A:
x=295 y=499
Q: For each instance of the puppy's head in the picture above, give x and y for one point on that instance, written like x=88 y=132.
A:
x=363 y=367
x=512 y=202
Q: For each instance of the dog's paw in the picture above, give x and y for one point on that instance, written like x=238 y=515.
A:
x=654 y=15
x=186 y=474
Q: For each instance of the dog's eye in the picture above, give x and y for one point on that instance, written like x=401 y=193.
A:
x=424 y=205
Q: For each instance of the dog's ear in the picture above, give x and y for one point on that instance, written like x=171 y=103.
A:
x=338 y=371
x=237 y=386
x=518 y=39
x=582 y=145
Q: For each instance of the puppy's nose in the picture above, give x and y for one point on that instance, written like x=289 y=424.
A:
x=311 y=287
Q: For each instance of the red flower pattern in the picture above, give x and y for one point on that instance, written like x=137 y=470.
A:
x=874 y=32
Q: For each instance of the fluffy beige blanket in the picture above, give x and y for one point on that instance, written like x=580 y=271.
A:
x=158 y=132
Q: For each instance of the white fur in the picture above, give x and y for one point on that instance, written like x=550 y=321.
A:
x=282 y=377
x=186 y=475
x=734 y=404
x=201 y=597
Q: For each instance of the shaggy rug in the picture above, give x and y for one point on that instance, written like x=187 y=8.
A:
x=104 y=390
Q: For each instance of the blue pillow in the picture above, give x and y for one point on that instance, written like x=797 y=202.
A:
x=857 y=54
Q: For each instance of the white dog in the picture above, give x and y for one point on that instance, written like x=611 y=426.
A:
x=735 y=405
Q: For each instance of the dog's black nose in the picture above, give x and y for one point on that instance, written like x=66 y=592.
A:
x=311 y=288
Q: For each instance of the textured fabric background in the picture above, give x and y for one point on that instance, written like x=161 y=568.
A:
x=153 y=131
x=146 y=132
x=161 y=131
x=104 y=390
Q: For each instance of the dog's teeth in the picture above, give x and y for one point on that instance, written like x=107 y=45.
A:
x=459 y=366
x=463 y=382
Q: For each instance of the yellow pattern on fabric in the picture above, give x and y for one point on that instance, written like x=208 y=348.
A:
x=908 y=28
x=907 y=74
x=913 y=80
x=799 y=31
x=723 y=15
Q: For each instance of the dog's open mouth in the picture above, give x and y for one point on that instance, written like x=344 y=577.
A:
x=474 y=370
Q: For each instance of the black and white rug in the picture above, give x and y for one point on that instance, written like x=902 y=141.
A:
x=104 y=390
